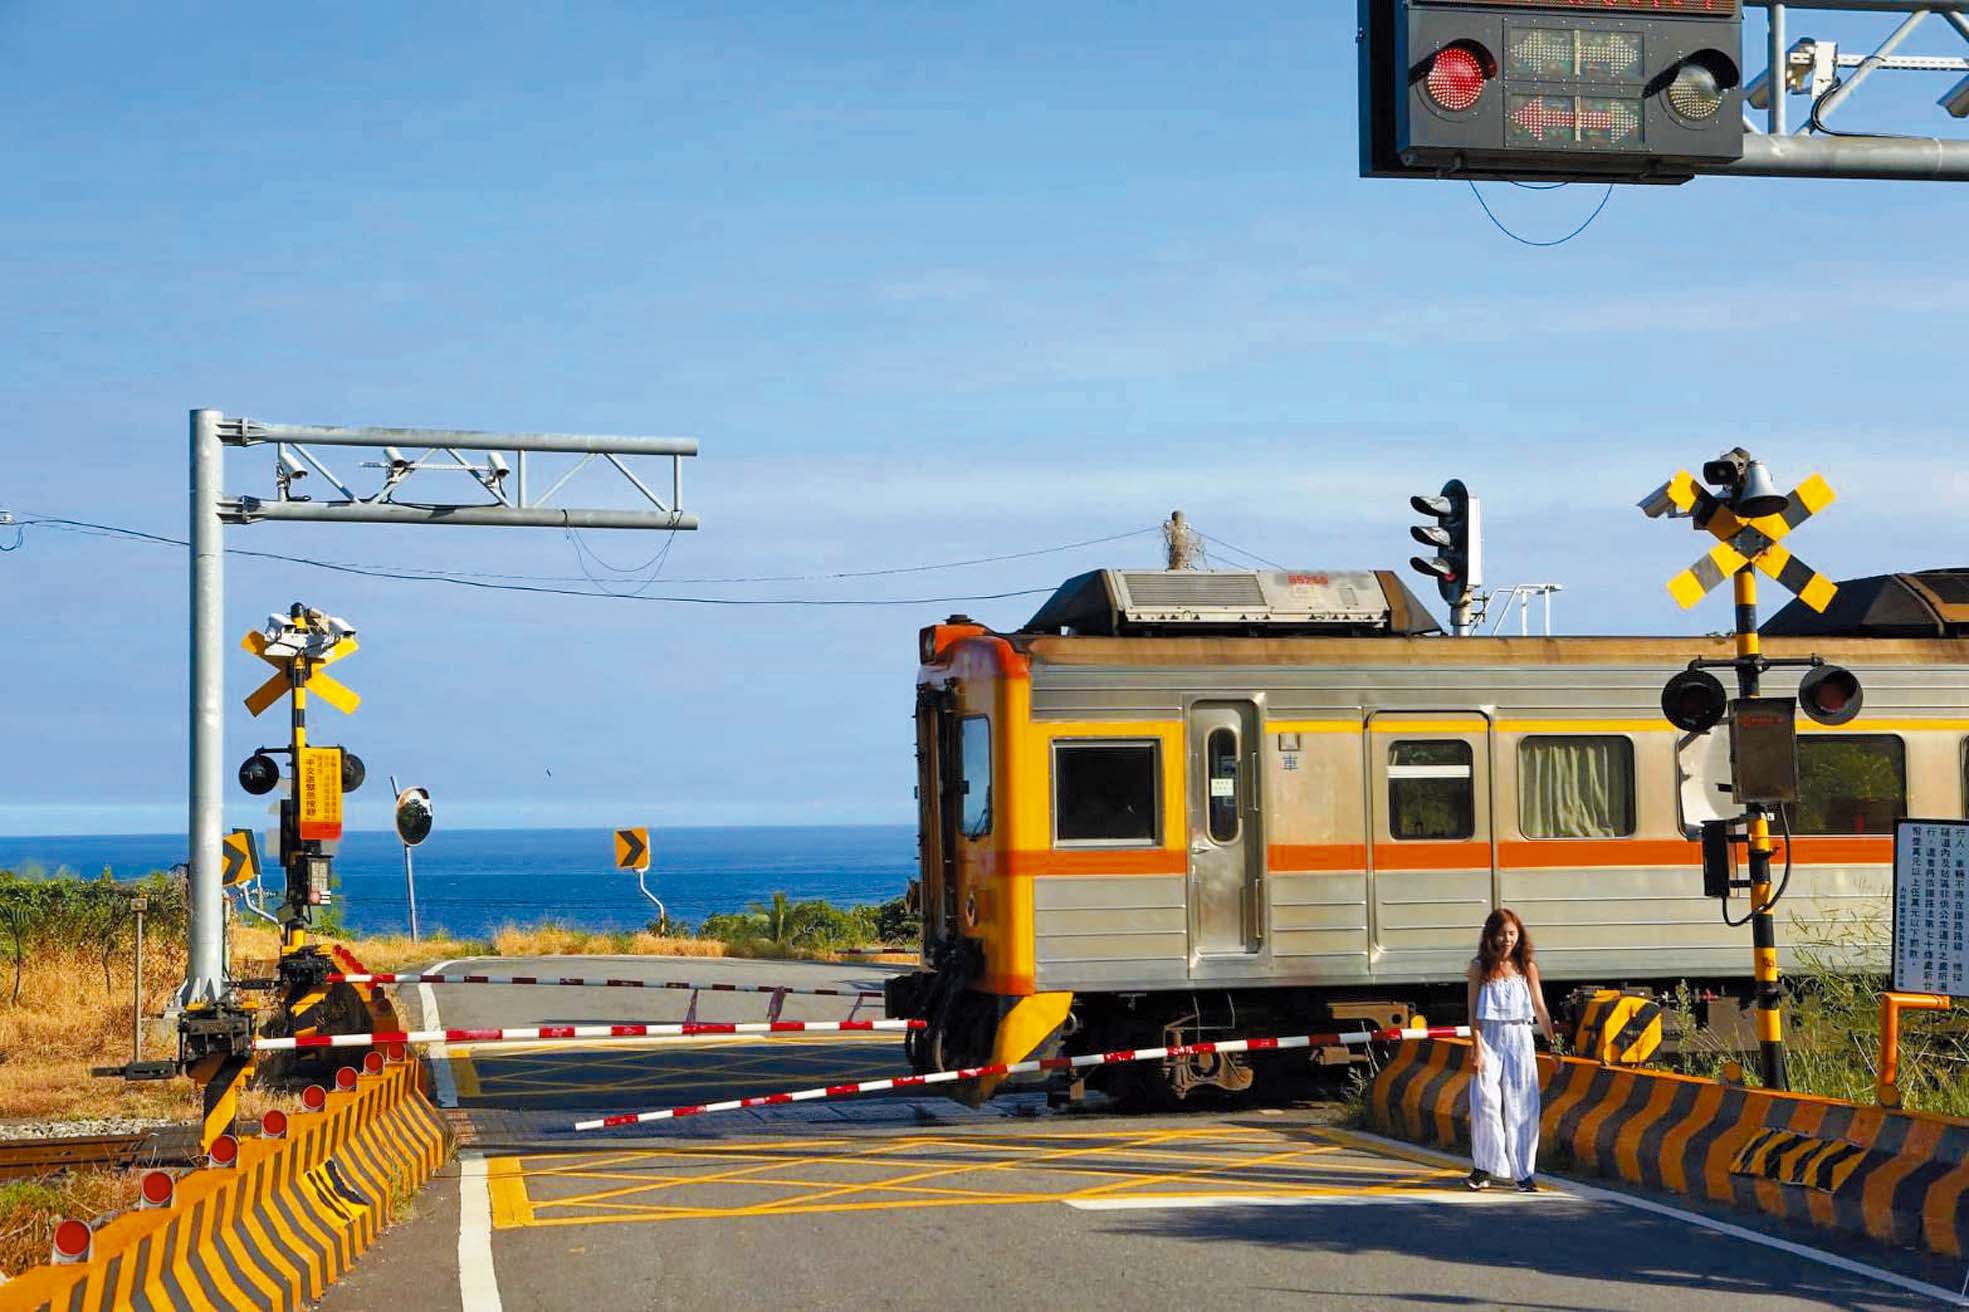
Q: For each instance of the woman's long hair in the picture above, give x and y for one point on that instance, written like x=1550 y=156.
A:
x=1490 y=957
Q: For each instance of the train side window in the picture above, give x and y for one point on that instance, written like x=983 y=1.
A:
x=1576 y=786
x=1431 y=790
x=1220 y=764
x=1849 y=784
x=974 y=771
x=1105 y=793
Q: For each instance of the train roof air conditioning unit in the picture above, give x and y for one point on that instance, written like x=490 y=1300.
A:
x=1329 y=603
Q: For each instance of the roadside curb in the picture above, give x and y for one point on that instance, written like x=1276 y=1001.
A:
x=274 y=1231
x=1899 y=1177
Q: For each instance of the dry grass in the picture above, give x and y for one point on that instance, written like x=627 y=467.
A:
x=560 y=941
x=30 y=1209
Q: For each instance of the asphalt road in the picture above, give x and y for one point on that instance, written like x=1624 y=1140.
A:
x=911 y=1202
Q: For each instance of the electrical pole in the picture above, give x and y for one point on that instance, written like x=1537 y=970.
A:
x=1181 y=541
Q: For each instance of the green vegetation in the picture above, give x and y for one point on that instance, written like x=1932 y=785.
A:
x=782 y=925
x=1832 y=1027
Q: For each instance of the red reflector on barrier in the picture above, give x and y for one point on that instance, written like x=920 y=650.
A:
x=398 y=1052
x=73 y=1239
x=372 y=1063
x=273 y=1125
x=225 y=1151
x=156 y=1189
x=345 y=1079
x=314 y=1098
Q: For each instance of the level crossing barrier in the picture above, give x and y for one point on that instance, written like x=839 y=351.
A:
x=998 y=1069
x=778 y=992
x=552 y=1033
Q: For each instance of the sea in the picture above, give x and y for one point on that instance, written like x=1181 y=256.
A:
x=471 y=881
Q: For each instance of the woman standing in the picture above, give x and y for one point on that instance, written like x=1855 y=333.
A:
x=1505 y=1002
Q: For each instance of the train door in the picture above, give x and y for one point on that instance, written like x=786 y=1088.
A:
x=937 y=802
x=1432 y=858
x=1227 y=842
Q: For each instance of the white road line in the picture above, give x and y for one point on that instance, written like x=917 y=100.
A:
x=1432 y=1198
x=1838 y=1262
x=442 y=1083
x=478 y=1287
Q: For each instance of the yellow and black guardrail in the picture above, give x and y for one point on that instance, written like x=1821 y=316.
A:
x=274 y=1230
x=1899 y=1177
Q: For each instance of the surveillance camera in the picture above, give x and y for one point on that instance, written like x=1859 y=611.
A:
x=291 y=466
x=1658 y=503
x=497 y=464
x=395 y=458
x=1758 y=94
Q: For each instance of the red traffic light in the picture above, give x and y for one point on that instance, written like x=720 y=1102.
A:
x=1830 y=694
x=1694 y=701
x=1457 y=75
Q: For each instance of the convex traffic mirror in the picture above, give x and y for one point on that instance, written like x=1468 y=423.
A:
x=414 y=816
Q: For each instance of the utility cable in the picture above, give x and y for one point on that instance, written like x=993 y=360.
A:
x=1250 y=555
x=1527 y=241
x=112 y=530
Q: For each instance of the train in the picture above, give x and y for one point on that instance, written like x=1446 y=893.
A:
x=1189 y=804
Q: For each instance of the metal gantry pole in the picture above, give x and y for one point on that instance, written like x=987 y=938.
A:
x=205 y=969
x=1763 y=927
x=1774 y=118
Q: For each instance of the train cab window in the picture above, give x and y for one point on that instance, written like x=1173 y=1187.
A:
x=1849 y=784
x=1576 y=786
x=1105 y=793
x=974 y=773
x=1431 y=790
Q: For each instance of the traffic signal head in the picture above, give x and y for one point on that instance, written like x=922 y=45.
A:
x=1635 y=90
x=1830 y=694
x=259 y=773
x=1455 y=538
x=1694 y=701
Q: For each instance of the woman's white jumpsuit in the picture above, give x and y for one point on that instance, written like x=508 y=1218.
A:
x=1504 y=1096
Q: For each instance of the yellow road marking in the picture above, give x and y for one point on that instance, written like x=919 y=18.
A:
x=1212 y=1163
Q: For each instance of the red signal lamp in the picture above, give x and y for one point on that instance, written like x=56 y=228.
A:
x=1694 y=701
x=1830 y=694
x=1457 y=75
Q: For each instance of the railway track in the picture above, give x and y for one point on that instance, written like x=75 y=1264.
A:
x=169 y=1145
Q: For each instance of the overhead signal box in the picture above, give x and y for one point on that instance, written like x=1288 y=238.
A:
x=1593 y=90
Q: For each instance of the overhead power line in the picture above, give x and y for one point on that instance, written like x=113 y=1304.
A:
x=548 y=589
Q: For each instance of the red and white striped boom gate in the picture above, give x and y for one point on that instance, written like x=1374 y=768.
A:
x=589 y=982
x=1358 y=1037
x=779 y=992
x=578 y=1033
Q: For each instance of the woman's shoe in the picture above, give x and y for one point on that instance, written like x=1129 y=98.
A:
x=1527 y=1186
x=1478 y=1181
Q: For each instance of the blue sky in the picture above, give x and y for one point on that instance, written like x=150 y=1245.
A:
x=929 y=284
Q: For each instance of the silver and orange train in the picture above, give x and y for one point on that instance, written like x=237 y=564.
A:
x=1184 y=804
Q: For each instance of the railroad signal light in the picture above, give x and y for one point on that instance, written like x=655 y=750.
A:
x=224 y=1152
x=72 y=1242
x=1718 y=862
x=1634 y=91
x=1694 y=701
x=353 y=771
x=156 y=1189
x=1830 y=694
x=273 y=1124
x=1456 y=538
x=259 y=774
x=314 y=1098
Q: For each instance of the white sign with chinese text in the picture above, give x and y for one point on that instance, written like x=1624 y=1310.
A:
x=1931 y=897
